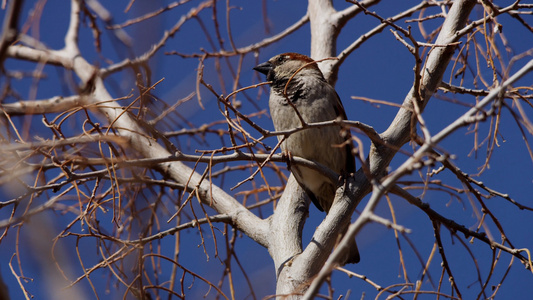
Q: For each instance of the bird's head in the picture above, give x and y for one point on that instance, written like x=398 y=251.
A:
x=284 y=66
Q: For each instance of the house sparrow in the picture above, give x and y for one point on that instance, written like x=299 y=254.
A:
x=296 y=78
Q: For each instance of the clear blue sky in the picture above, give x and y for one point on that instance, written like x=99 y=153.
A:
x=380 y=69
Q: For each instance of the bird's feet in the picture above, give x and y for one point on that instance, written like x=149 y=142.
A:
x=287 y=156
x=343 y=179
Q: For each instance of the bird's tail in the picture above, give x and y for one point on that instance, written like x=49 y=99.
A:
x=352 y=256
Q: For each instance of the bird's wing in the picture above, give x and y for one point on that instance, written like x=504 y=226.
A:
x=350 y=159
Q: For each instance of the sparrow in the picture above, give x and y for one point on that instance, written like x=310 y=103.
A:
x=297 y=84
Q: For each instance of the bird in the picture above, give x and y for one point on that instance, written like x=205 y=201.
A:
x=297 y=84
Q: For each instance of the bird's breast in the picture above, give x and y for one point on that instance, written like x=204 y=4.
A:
x=318 y=144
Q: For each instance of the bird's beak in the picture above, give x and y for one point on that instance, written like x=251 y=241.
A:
x=263 y=68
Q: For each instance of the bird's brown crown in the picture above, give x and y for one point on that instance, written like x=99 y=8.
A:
x=291 y=56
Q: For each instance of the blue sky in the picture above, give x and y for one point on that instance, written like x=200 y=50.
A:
x=380 y=69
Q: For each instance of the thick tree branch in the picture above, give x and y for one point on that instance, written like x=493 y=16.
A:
x=210 y=195
x=396 y=135
x=44 y=106
x=407 y=167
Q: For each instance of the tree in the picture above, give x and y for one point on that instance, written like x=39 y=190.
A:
x=113 y=184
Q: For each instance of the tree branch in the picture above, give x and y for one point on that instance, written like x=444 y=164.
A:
x=397 y=134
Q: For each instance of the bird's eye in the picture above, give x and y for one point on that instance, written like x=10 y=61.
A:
x=281 y=58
